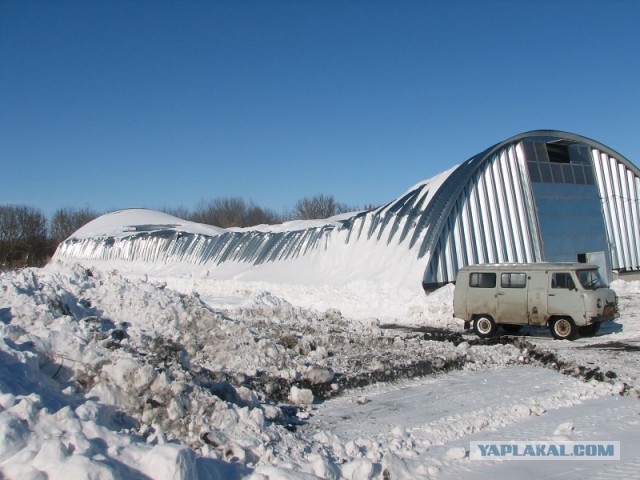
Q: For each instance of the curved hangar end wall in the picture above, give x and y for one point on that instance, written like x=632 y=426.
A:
x=539 y=196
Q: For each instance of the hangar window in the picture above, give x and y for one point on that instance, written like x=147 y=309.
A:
x=482 y=280
x=558 y=153
x=559 y=162
x=545 y=170
x=578 y=172
x=557 y=171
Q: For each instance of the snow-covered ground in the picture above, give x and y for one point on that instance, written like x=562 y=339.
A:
x=107 y=374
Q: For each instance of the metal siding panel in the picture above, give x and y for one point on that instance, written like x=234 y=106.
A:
x=523 y=235
x=492 y=214
x=614 y=198
x=633 y=219
x=635 y=225
x=469 y=245
x=505 y=235
x=478 y=227
x=439 y=270
x=486 y=219
x=598 y=168
x=442 y=253
x=446 y=250
x=512 y=186
x=609 y=204
x=529 y=212
x=626 y=211
x=459 y=236
x=619 y=202
x=449 y=249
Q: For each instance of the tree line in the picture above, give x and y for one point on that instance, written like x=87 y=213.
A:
x=28 y=238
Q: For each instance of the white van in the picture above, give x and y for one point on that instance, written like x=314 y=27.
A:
x=567 y=297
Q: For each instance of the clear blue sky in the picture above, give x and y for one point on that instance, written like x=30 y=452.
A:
x=116 y=104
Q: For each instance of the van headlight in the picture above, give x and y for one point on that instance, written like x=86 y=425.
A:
x=599 y=304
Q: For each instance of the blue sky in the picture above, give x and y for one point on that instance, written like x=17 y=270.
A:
x=154 y=103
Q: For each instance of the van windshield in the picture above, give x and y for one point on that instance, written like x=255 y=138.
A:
x=591 y=279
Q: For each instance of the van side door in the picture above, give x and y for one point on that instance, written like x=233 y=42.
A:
x=512 y=298
x=565 y=299
x=482 y=294
x=538 y=292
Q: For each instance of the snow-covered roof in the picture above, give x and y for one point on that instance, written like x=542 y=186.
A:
x=383 y=242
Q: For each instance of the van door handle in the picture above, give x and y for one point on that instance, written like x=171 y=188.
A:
x=552 y=294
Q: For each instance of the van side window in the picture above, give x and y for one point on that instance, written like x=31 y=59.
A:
x=513 y=280
x=562 y=280
x=482 y=280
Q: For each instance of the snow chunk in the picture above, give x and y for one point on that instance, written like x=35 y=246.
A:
x=13 y=433
x=317 y=375
x=300 y=396
x=520 y=411
x=455 y=454
x=619 y=387
x=361 y=468
x=563 y=429
x=170 y=462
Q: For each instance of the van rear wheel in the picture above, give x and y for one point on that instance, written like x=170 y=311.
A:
x=485 y=327
x=563 y=328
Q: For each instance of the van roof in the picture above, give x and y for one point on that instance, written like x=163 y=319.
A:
x=532 y=266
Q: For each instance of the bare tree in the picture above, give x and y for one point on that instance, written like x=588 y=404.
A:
x=232 y=212
x=181 y=212
x=66 y=221
x=319 y=206
x=23 y=236
x=221 y=212
x=370 y=206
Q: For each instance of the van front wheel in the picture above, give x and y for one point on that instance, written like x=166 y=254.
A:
x=485 y=327
x=563 y=328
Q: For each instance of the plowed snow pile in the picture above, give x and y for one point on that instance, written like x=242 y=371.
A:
x=103 y=376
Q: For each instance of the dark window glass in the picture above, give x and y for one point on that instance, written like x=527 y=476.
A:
x=581 y=155
x=545 y=173
x=534 y=172
x=578 y=172
x=482 y=280
x=541 y=152
x=513 y=280
x=591 y=279
x=562 y=280
x=558 y=153
x=529 y=151
x=557 y=173
x=567 y=171
x=588 y=175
